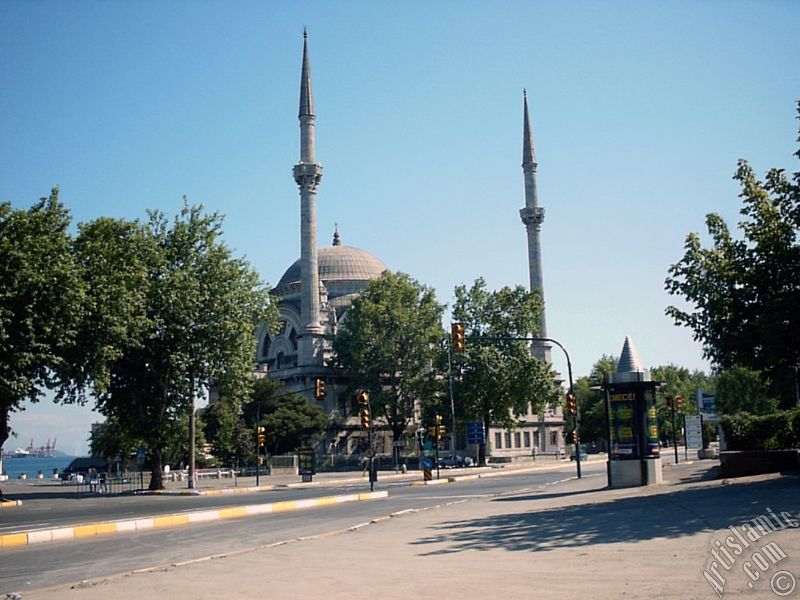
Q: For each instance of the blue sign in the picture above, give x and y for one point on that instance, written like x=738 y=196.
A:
x=475 y=433
x=427 y=463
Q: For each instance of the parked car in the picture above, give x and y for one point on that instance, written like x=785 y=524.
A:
x=452 y=462
x=584 y=456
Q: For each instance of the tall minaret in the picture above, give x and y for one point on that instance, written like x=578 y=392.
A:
x=308 y=174
x=533 y=217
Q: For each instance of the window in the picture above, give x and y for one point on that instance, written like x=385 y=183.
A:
x=527 y=438
x=554 y=438
x=498 y=440
x=517 y=439
x=536 y=442
x=508 y=439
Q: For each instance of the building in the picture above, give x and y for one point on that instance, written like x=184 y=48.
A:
x=314 y=293
x=316 y=290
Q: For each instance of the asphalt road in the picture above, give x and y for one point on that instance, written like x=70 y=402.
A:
x=38 y=566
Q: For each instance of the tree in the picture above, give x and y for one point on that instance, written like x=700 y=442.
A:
x=677 y=381
x=740 y=389
x=591 y=402
x=193 y=326
x=745 y=292
x=388 y=344
x=294 y=423
x=500 y=378
x=40 y=297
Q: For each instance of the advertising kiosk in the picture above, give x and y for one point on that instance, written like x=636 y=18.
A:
x=634 y=451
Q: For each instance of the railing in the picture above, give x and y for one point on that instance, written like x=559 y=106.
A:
x=123 y=484
x=286 y=461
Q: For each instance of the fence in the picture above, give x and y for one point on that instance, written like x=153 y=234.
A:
x=122 y=484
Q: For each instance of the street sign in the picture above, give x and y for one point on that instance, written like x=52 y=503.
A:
x=475 y=433
x=694 y=431
x=140 y=456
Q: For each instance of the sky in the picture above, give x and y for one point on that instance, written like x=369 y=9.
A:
x=640 y=112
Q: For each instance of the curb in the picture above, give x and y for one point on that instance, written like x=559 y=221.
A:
x=10 y=503
x=524 y=471
x=13 y=540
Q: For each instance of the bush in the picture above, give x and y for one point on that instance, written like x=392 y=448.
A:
x=777 y=431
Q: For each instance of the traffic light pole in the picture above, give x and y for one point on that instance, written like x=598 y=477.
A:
x=674 y=431
x=452 y=404
x=258 y=448
x=371 y=457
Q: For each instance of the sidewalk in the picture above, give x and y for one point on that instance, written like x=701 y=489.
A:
x=573 y=540
x=211 y=486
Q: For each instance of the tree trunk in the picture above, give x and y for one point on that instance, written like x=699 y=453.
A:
x=156 y=474
x=4 y=430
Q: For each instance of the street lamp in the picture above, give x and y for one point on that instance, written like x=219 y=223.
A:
x=572 y=393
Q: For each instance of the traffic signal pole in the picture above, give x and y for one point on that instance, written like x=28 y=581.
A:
x=258 y=448
x=452 y=404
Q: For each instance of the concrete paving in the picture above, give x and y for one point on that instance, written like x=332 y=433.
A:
x=571 y=540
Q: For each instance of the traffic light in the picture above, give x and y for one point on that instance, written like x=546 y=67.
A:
x=262 y=436
x=365 y=418
x=362 y=398
x=437 y=432
x=678 y=402
x=572 y=403
x=457 y=334
x=438 y=419
x=319 y=388
x=574 y=436
x=668 y=401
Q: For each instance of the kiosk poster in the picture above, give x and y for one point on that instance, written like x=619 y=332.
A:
x=652 y=447
x=623 y=429
x=305 y=460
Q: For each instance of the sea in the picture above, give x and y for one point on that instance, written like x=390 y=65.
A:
x=14 y=467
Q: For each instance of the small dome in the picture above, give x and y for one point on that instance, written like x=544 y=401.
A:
x=337 y=264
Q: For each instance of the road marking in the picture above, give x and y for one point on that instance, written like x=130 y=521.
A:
x=39 y=536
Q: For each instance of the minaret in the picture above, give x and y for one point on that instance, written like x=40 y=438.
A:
x=533 y=217
x=307 y=174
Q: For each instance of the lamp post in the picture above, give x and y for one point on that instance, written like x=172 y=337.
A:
x=571 y=386
x=571 y=391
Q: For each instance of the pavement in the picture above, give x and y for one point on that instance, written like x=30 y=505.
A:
x=573 y=539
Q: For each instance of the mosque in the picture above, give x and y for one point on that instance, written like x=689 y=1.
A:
x=315 y=291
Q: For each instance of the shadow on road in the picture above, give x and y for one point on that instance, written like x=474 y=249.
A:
x=664 y=515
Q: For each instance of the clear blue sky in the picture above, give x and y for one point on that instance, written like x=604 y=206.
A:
x=640 y=111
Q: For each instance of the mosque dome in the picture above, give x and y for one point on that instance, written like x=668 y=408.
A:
x=340 y=269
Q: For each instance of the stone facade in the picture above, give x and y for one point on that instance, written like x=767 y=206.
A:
x=536 y=434
x=315 y=292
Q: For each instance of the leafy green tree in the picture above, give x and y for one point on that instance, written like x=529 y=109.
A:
x=193 y=327
x=296 y=422
x=40 y=296
x=388 y=344
x=677 y=381
x=744 y=291
x=115 y=257
x=290 y=421
x=740 y=389
x=591 y=402
x=499 y=377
